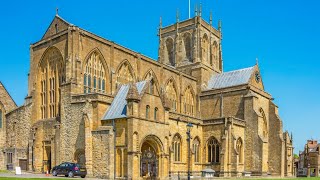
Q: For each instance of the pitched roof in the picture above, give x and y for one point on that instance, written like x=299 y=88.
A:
x=118 y=108
x=56 y=19
x=6 y=99
x=229 y=79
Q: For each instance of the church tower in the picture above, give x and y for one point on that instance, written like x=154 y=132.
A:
x=192 y=46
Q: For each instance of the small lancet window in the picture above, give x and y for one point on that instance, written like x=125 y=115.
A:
x=56 y=28
x=147 y=111
x=155 y=113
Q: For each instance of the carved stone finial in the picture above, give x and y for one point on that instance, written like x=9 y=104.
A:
x=57 y=11
x=200 y=10
x=220 y=25
x=196 y=10
x=210 y=20
x=257 y=61
x=177 y=15
x=133 y=94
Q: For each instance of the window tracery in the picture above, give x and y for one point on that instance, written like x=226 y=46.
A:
x=172 y=95
x=176 y=148
x=94 y=79
x=188 y=103
x=124 y=75
x=196 y=150
x=213 y=151
x=52 y=75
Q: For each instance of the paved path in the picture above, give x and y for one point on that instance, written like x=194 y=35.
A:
x=31 y=175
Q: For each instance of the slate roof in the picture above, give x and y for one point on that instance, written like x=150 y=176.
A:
x=229 y=79
x=118 y=108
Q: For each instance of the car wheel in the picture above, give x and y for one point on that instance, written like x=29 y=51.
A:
x=82 y=176
x=54 y=173
x=70 y=174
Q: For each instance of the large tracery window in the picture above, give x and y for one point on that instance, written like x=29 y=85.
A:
x=172 y=95
x=188 y=103
x=239 y=148
x=176 y=148
x=94 y=79
x=124 y=75
x=52 y=75
x=213 y=150
x=196 y=150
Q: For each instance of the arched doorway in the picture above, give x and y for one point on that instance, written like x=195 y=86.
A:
x=149 y=160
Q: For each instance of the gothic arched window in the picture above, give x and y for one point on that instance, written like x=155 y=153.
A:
x=170 y=51
x=213 y=150
x=147 y=112
x=239 y=148
x=156 y=114
x=1 y=118
x=172 y=95
x=151 y=87
x=196 y=150
x=188 y=102
x=214 y=55
x=52 y=75
x=187 y=45
x=124 y=75
x=152 y=82
x=204 y=48
x=176 y=148
x=94 y=71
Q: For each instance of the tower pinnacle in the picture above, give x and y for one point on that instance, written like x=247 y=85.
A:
x=210 y=20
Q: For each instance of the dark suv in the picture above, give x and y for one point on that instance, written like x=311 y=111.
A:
x=69 y=170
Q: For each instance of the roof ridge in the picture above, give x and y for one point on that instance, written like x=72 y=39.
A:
x=239 y=69
x=63 y=19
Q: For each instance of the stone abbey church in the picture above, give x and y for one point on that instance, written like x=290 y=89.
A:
x=122 y=114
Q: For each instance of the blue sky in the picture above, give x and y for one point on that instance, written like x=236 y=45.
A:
x=284 y=35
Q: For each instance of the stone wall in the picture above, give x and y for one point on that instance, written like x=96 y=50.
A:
x=18 y=128
x=276 y=145
x=103 y=153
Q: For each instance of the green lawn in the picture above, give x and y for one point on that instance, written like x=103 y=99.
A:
x=297 y=178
